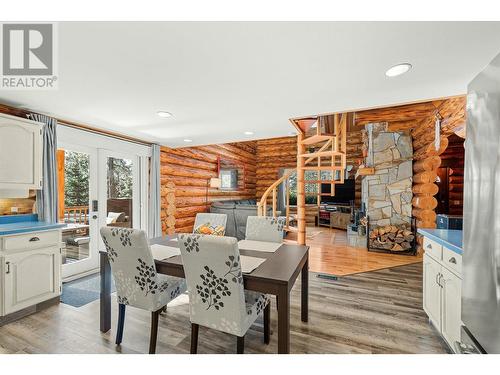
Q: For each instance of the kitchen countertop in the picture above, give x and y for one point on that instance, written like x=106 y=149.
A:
x=449 y=238
x=16 y=224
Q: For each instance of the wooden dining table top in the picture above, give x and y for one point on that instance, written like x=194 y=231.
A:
x=281 y=266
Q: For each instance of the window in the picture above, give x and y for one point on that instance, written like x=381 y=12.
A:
x=311 y=190
x=228 y=179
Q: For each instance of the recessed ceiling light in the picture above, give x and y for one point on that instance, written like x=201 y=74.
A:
x=248 y=133
x=164 y=114
x=397 y=70
x=188 y=140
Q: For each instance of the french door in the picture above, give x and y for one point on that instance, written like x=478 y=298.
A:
x=97 y=187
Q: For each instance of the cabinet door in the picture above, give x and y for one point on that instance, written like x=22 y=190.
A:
x=31 y=277
x=451 y=313
x=20 y=153
x=432 y=291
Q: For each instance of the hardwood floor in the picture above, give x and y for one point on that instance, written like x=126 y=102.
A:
x=330 y=254
x=374 y=312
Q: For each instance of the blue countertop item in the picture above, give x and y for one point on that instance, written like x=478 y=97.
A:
x=449 y=238
x=13 y=224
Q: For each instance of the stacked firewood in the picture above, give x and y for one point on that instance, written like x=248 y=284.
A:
x=391 y=237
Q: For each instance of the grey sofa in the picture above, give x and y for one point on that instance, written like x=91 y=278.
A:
x=237 y=212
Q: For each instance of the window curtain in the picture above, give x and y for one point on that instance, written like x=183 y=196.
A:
x=154 y=225
x=46 y=198
x=281 y=191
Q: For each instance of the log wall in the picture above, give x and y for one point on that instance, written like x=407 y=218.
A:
x=184 y=176
x=427 y=159
x=272 y=155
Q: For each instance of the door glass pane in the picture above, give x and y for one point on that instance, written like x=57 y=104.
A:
x=119 y=193
x=74 y=188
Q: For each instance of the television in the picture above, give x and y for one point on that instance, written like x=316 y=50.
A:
x=344 y=193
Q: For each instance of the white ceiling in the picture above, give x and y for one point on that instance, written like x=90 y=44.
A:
x=222 y=79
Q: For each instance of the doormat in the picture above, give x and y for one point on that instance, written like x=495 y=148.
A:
x=78 y=293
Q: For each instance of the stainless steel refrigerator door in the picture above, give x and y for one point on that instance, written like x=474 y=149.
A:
x=481 y=227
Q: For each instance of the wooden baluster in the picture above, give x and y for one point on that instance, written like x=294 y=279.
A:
x=287 y=192
x=274 y=201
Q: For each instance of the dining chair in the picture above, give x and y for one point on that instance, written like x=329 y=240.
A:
x=217 y=298
x=136 y=280
x=265 y=228
x=210 y=223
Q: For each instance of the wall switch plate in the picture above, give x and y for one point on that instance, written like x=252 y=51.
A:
x=14 y=210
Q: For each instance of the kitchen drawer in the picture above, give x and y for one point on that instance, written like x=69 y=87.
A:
x=452 y=260
x=433 y=248
x=33 y=240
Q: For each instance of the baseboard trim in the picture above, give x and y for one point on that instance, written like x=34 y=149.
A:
x=80 y=275
x=28 y=311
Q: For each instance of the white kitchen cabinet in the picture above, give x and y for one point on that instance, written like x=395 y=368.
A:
x=432 y=290
x=20 y=153
x=442 y=285
x=451 y=312
x=30 y=275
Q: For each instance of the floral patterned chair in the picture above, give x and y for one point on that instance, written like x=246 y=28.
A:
x=215 y=286
x=265 y=228
x=137 y=282
x=209 y=223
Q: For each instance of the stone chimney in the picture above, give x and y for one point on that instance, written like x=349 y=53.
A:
x=387 y=194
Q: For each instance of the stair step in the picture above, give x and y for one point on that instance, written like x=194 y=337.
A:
x=316 y=139
x=320 y=154
x=323 y=168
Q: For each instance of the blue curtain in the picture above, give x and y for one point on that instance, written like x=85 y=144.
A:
x=154 y=225
x=46 y=198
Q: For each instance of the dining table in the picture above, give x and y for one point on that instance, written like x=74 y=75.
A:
x=275 y=276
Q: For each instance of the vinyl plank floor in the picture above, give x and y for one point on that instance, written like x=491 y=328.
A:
x=372 y=312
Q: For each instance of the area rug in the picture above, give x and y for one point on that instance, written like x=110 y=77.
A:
x=82 y=291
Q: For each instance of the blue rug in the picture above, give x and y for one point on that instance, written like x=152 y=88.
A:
x=79 y=292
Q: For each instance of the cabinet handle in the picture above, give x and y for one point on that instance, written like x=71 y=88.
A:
x=34 y=239
x=452 y=260
x=429 y=246
x=437 y=279
x=8 y=267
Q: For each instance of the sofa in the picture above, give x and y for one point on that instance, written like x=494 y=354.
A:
x=237 y=212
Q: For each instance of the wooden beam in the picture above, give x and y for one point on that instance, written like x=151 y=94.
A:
x=409 y=112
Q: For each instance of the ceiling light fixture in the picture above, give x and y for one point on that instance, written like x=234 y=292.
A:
x=188 y=140
x=248 y=133
x=397 y=70
x=164 y=114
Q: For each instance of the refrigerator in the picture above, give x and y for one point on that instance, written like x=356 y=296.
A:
x=481 y=223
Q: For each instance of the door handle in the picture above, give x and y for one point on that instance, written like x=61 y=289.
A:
x=94 y=217
x=8 y=267
x=34 y=239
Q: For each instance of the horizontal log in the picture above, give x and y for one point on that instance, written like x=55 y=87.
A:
x=430 y=150
x=183 y=212
x=424 y=202
x=431 y=163
x=424 y=177
x=186 y=172
x=426 y=224
x=172 y=160
x=424 y=215
x=276 y=141
x=426 y=188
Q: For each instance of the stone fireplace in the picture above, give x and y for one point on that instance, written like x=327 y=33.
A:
x=387 y=194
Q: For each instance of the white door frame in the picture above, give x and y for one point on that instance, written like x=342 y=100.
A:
x=92 y=262
x=104 y=146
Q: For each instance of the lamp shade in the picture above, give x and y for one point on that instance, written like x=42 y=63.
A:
x=215 y=182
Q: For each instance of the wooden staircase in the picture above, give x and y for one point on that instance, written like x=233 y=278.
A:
x=329 y=155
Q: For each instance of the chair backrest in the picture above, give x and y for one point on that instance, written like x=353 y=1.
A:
x=265 y=228
x=133 y=267
x=210 y=223
x=215 y=283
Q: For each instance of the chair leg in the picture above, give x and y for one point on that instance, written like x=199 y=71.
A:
x=121 y=322
x=194 y=338
x=240 y=345
x=154 y=331
x=267 y=323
